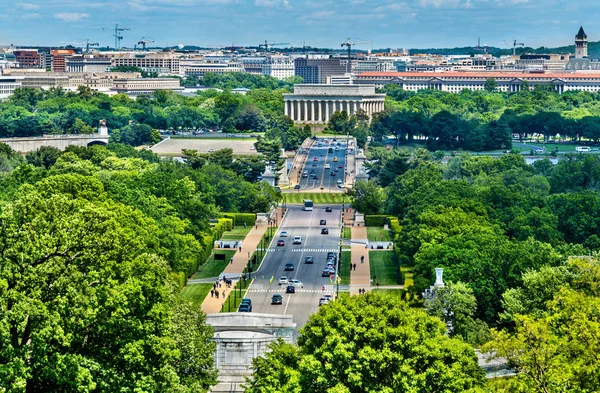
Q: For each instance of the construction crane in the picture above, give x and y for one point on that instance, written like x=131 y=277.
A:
x=514 y=44
x=268 y=45
x=483 y=48
x=349 y=44
x=144 y=41
x=118 y=36
x=87 y=44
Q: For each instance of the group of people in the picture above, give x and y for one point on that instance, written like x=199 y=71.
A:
x=362 y=291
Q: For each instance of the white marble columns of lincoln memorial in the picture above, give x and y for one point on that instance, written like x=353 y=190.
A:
x=319 y=111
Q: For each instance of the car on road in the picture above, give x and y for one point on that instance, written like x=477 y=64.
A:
x=283 y=234
x=290 y=289
x=328 y=297
x=305 y=174
x=324 y=231
x=322 y=154
x=326 y=273
x=297 y=240
x=296 y=283
x=280 y=243
x=246 y=300
x=283 y=280
x=211 y=150
x=323 y=222
x=309 y=259
x=297 y=187
x=314 y=164
x=289 y=267
x=332 y=173
x=340 y=166
x=327 y=166
x=323 y=301
x=245 y=308
x=276 y=299
x=315 y=159
x=335 y=169
x=328 y=209
x=314 y=177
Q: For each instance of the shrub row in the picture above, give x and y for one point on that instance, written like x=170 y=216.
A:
x=222 y=225
x=240 y=218
x=375 y=220
x=395 y=227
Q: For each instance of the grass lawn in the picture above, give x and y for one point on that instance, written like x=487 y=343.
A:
x=196 y=293
x=378 y=234
x=408 y=276
x=317 y=197
x=347 y=234
x=383 y=267
x=345 y=268
x=237 y=233
x=212 y=267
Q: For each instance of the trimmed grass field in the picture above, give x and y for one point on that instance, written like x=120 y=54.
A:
x=397 y=293
x=383 y=268
x=212 y=267
x=347 y=234
x=378 y=234
x=237 y=233
x=345 y=268
x=317 y=197
x=196 y=293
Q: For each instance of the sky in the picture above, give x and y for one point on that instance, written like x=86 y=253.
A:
x=317 y=23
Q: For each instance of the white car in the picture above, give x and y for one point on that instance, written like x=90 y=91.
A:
x=296 y=283
x=283 y=280
x=297 y=240
x=283 y=234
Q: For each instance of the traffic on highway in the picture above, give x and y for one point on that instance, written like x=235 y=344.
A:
x=325 y=166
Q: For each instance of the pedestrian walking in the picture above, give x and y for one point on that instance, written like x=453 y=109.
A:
x=240 y=248
x=231 y=260
x=212 y=293
x=214 y=286
x=362 y=259
x=221 y=245
x=217 y=294
x=355 y=267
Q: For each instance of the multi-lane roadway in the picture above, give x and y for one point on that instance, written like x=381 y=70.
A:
x=305 y=300
x=323 y=160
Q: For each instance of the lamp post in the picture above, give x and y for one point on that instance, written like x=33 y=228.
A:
x=337 y=278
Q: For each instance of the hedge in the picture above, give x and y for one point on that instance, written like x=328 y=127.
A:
x=222 y=225
x=375 y=220
x=240 y=218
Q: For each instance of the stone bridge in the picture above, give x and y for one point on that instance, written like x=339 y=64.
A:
x=240 y=337
x=28 y=144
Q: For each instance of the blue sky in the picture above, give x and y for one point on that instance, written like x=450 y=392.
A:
x=323 y=23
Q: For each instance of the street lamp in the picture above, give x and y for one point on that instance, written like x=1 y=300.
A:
x=337 y=278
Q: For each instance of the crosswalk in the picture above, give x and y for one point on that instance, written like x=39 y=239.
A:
x=303 y=250
x=283 y=290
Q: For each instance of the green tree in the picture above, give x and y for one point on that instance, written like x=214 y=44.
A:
x=45 y=156
x=368 y=197
x=368 y=343
x=490 y=85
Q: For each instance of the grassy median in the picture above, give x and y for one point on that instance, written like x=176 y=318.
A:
x=383 y=268
x=317 y=197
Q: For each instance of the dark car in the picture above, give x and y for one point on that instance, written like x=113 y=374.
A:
x=289 y=267
x=324 y=231
x=328 y=209
x=309 y=259
x=290 y=289
x=314 y=177
x=276 y=299
x=297 y=187
x=314 y=164
x=326 y=273
x=245 y=308
x=335 y=169
x=323 y=222
x=332 y=173
x=280 y=243
x=247 y=301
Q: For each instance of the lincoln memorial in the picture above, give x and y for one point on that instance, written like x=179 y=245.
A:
x=314 y=104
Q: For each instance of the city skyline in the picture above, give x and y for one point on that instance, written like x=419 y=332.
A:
x=214 y=23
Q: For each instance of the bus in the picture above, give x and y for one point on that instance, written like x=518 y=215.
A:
x=308 y=205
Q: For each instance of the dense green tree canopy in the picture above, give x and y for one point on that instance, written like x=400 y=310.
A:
x=369 y=343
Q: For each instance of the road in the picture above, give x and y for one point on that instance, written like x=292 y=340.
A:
x=305 y=301
x=324 y=157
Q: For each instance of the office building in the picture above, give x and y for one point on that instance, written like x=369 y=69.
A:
x=87 y=63
x=315 y=104
x=280 y=67
x=8 y=85
x=455 y=82
x=202 y=68
x=28 y=59
x=161 y=63
x=316 y=69
x=145 y=86
x=59 y=59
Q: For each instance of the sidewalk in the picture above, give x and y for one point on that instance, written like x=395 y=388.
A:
x=240 y=261
x=361 y=277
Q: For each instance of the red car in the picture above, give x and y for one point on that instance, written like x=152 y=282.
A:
x=280 y=243
x=340 y=166
x=315 y=159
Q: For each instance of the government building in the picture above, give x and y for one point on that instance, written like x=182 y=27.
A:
x=315 y=104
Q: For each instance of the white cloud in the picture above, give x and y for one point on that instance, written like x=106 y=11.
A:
x=71 y=16
x=271 y=3
x=28 y=6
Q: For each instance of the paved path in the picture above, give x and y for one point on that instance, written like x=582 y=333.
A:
x=361 y=277
x=240 y=260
